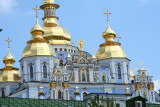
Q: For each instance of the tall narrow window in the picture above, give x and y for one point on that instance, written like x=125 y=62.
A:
x=31 y=72
x=103 y=77
x=44 y=70
x=119 y=71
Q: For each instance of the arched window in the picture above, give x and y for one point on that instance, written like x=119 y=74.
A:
x=3 y=93
x=103 y=77
x=119 y=71
x=31 y=72
x=44 y=70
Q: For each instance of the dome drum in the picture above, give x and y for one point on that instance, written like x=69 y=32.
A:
x=49 y=5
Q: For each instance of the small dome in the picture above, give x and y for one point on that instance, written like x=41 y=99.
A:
x=111 y=52
x=9 y=57
x=52 y=32
x=109 y=31
x=38 y=49
x=37 y=27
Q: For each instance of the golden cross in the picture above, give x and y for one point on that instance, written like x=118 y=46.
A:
x=36 y=10
x=107 y=13
x=118 y=37
x=8 y=42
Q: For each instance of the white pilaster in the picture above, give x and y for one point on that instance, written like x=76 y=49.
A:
x=38 y=70
x=91 y=74
x=76 y=75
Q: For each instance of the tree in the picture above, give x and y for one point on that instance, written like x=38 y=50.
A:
x=96 y=101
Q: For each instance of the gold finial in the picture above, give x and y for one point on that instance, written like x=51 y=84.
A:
x=8 y=42
x=93 y=53
x=140 y=63
x=81 y=44
x=118 y=37
x=135 y=69
x=93 y=50
x=36 y=10
x=107 y=13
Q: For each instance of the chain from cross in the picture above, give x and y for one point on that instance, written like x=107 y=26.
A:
x=36 y=10
x=118 y=37
x=8 y=42
x=107 y=13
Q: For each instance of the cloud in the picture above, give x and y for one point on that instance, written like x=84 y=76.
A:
x=7 y=5
x=157 y=85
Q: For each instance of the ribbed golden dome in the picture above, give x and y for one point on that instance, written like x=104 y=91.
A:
x=10 y=76
x=109 y=31
x=111 y=52
x=9 y=73
x=51 y=33
x=38 y=45
x=8 y=57
x=54 y=33
x=38 y=49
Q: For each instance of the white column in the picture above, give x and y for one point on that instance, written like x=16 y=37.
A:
x=38 y=70
x=7 y=90
x=24 y=95
x=25 y=71
x=91 y=74
x=33 y=92
x=76 y=74
x=113 y=71
x=56 y=94
x=125 y=73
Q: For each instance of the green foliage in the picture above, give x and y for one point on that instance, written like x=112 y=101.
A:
x=96 y=101
x=117 y=105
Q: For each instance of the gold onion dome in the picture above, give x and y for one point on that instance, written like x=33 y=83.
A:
x=38 y=45
x=110 y=49
x=55 y=33
x=9 y=73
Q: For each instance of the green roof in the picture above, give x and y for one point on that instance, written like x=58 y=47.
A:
x=20 y=102
x=138 y=98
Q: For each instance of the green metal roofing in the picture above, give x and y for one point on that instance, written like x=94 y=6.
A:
x=20 y=102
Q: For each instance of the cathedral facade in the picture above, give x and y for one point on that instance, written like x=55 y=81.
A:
x=52 y=68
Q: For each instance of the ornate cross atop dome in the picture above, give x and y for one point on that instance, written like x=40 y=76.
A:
x=107 y=13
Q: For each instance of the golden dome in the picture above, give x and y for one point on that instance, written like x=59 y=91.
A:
x=54 y=33
x=38 y=49
x=132 y=74
x=10 y=76
x=57 y=35
x=9 y=73
x=38 y=46
x=37 y=27
x=109 y=31
x=111 y=52
x=8 y=57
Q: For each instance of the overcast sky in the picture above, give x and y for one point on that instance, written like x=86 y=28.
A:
x=136 y=21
